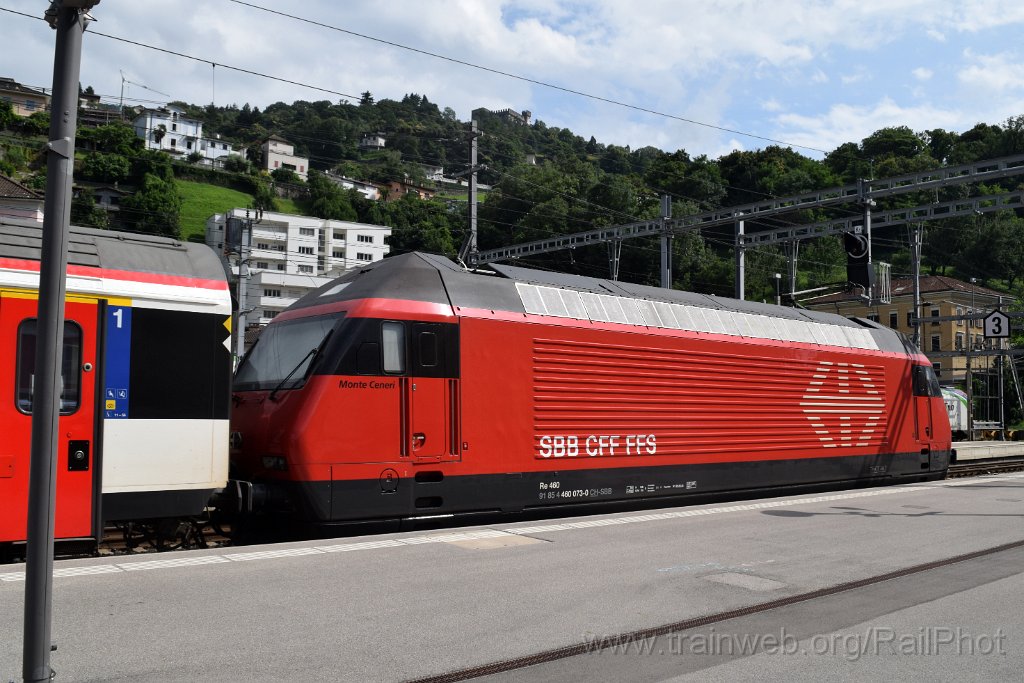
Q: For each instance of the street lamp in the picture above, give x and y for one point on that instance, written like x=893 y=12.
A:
x=778 y=289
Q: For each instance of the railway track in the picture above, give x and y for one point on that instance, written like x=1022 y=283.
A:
x=132 y=538
x=974 y=468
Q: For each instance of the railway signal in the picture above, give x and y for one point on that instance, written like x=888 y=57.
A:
x=859 y=271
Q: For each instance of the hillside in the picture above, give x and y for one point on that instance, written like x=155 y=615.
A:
x=199 y=201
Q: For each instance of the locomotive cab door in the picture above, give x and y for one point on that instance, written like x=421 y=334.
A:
x=927 y=399
x=77 y=481
x=432 y=398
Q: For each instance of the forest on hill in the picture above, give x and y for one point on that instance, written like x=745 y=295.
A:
x=546 y=181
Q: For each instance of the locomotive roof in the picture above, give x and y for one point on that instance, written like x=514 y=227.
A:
x=428 y=277
x=112 y=250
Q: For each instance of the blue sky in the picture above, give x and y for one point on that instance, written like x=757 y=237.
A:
x=813 y=74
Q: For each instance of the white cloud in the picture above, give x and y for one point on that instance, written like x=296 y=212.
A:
x=852 y=123
x=736 y=64
x=993 y=73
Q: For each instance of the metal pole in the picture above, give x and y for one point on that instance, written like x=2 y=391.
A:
x=244 y=252
x=792 y=251
x=740 y=262
x=970 y=376
x=70 y=24
x=915 y=249
x=868 y=202
x=1002 y=404
x=472 y=186
x=666 y=242
x=469 y=248
x=1001 y=364
x=778 y=289
x=614 y=255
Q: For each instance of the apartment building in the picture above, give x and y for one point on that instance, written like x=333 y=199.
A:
x=290 y=255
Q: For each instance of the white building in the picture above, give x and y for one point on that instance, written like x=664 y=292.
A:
x=168 y=129
x=279 y=153
x=291 y=255
x=367 y=189
x=372 y=141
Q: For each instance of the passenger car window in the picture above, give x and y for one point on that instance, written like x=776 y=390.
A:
x=70 y=369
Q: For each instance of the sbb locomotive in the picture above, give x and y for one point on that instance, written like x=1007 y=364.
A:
x=146 y=372
x=415 y=387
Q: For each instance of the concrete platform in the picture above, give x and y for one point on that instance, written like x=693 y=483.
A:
x=977 y=450
x=401 y=606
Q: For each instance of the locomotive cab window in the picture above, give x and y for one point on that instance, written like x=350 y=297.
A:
x=284 y=354
x=428 y=349
x=925 y=381
x=70 y=368
x=393 y=338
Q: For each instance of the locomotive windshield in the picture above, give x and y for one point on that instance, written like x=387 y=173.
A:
x=283 y=354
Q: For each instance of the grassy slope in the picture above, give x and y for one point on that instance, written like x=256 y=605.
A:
x=199 y=201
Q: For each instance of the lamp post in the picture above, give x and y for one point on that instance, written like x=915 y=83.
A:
x=778 y=289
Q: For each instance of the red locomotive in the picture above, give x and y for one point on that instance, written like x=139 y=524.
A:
x=415 y=387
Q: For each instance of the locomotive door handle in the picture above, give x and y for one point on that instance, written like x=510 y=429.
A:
x=418 y=439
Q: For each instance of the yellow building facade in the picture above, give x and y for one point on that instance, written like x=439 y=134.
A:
x=941 y=297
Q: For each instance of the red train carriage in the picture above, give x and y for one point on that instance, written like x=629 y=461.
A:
x=414 y=387
x=143 y=424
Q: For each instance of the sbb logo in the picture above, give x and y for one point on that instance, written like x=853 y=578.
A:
x=559 y=446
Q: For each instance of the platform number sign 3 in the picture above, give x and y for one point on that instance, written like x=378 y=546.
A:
x=997 y=325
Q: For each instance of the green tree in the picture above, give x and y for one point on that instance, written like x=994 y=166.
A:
x=7 y=115
x=112 y=138
x=105 y=168
x=823 y=261
x=155 y=207
x=236 y=164
x=37 y=123
x=329 y=200
x=85 y=212
x=419 y=225
x=285 y=175
x=264 y=197
x=999 y=248
x=151 y=162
